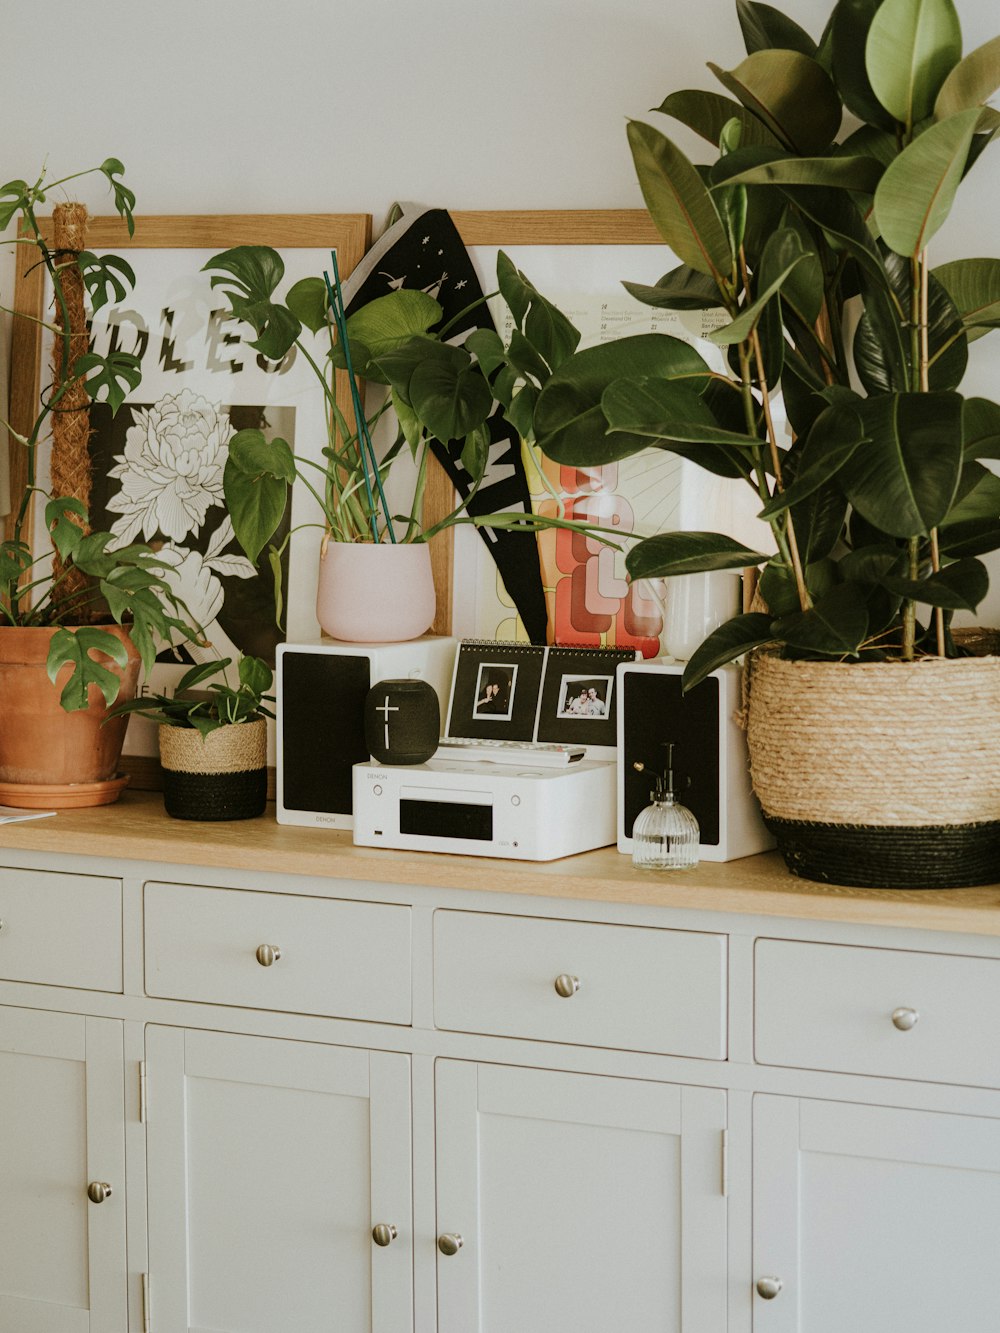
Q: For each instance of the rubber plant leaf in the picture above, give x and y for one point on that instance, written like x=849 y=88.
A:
x=905 y=478
x=858 y=172
x=745 y=322
x=764 y=27
x=852 y=20
x=980 y=428
x=835 y=627
x=974 y=287
x=912 y=47
x=679 y=203
x=726 y=644
x=882 y=349
x=830 y=444
x=971 y=82
x=570 y=426
x=791 y=93
x=671 y=553
x=74 y=647
x=978 y=496
x=667 y=410
x=915 y=195
x=960 y=586
x=707 y=113
x=683 y=288
x=802 y=286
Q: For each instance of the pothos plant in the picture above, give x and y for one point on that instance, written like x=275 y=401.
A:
x=811 y=231
x=437 y=391
x=124 y=585
x=217 y=704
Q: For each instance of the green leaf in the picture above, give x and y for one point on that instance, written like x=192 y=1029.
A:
x=671 y=553
x=842 y=223
x=15 y=558
x=552 y=336
x=673 y=415
x=679 y=204
x=791 y=93
x=683 y=288
x=570 y=426
x=915 y=195
x=882 y=346
x=911 y=48
x=708 y=113
x=252 y=453
x=835 y=435
x=525 y=359
x=124 y=198
x=476 y=452
x=851 y=23
x=309 y=303
x=846 y=172
x=256 y=506
x=389 y=322
x=905 y=477
x=255 y=676
x=977 y=537
x=741 y=327
x=487 y=347
x=726 y=644
x=106 y=277
x=74 y=647
x=248 y=279
x=974 y=287
x=450 y=395
x=958 y=587
x=980 y=428
x=118 y=373
x=765 y=27
x=971 y=82
x=835 y=627
x=13 y=198
x=64 y=532
x=790 y=250
x=977 y=498
x=521 y=411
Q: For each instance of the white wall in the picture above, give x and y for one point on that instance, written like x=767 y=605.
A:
x=326 y=106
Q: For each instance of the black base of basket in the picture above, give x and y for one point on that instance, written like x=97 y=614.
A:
x=213 y=796
x=940 y=856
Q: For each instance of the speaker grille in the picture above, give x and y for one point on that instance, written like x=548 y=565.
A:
x=322 y=728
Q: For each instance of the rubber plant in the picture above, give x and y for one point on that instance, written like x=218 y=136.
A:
x=120 y=584
x=811 y=229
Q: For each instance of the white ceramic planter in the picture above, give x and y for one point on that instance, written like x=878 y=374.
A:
x=375 y=593
x=697 y=604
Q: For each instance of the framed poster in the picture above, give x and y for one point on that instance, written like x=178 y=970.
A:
x=157 y=464
x=579 y=260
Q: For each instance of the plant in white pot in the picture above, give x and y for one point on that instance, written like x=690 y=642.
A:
x=375 y=576
x=212 y=739
x=875 y=741
x=78 y=616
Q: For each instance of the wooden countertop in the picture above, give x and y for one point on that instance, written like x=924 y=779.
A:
x=136 y=828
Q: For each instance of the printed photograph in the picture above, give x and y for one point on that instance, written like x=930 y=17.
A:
x=495 y=690
x=585 y=696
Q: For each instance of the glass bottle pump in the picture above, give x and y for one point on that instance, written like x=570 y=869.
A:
x=665 y=835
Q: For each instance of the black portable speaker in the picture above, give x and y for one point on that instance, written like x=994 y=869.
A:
x=402 y=721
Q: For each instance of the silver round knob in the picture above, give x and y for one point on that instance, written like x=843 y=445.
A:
x=450 y=1243
x=98 y=1191
x=768 y=1287
x=268 y=954
x=904 y=1019
x=566 y=985
x=384 y=1233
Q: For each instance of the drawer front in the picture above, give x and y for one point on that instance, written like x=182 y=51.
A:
x=278 y=951
x=639 y=989
x=61 y=930
x=922 y=1016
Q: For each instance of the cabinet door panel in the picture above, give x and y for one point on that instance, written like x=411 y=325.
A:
x=62 y=1258
x=875 y=1218
x=262 y=1193
x=583 y=1202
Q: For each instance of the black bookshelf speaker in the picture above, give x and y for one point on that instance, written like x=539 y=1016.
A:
x=711 y=765
x=402 y=721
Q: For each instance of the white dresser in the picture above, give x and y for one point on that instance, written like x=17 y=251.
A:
x=255 y=1079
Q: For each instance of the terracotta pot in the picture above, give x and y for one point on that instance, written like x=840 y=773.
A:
x=375 y=592
x=220 y=776
x=44 y=747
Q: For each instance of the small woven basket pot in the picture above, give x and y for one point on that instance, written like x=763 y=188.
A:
x=220 y=776
x=880 y=774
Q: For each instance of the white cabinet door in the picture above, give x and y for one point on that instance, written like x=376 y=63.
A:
x=62 y=1127
x=269 y=1164
x=875 y=1218
x=583 y=1202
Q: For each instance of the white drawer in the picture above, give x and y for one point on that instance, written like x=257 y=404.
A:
x=830 y=1006
x=61 y=930
x=333 y=957
x=639 y=989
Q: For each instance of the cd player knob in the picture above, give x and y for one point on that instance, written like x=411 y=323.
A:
x=566 y=985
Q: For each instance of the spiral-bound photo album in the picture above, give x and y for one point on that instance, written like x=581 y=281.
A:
x=529 y=692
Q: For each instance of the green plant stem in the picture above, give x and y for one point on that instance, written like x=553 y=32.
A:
x=413 y=526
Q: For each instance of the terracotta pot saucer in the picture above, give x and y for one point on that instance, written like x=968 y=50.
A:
x=62 y=795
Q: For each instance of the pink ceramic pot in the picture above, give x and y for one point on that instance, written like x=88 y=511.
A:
x=375 y=593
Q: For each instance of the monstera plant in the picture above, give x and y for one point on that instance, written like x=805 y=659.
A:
x=835 y=164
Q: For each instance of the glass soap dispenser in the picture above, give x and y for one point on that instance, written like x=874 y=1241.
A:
x=665 y=835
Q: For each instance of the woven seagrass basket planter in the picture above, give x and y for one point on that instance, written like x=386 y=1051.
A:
x=223 y=776
x=881 y=774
